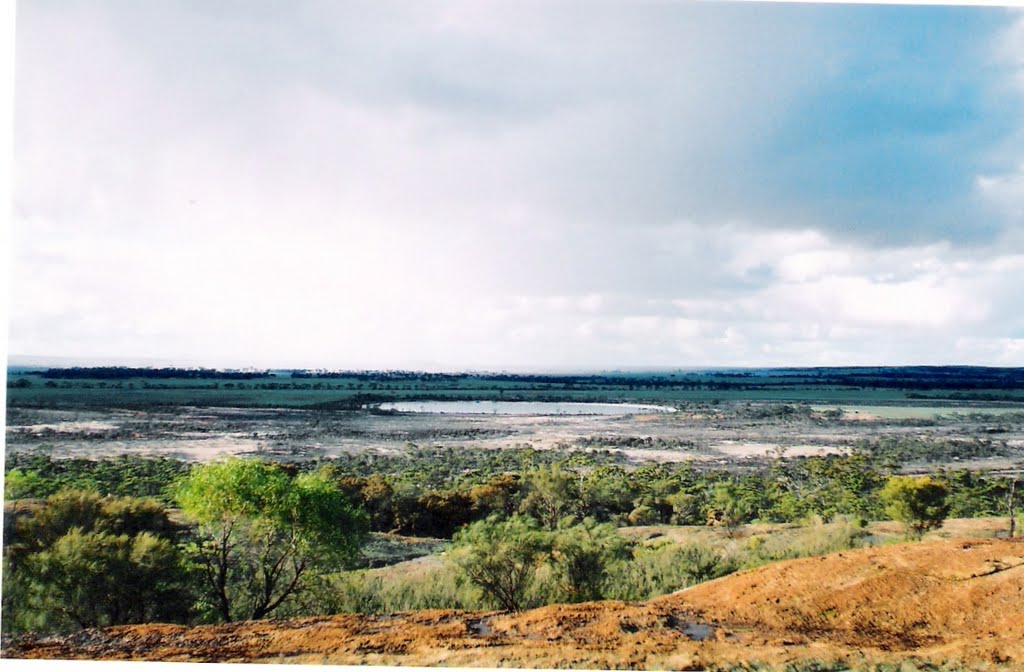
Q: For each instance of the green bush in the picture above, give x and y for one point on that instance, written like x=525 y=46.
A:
x=664 y=568
x=95 y=579
x=501 y=558
x=374 y=592
x=817 y=538
x=82 y=560
x=919 y=503
x=582 y=559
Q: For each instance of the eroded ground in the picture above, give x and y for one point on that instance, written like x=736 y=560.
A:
x=711 y=435
x=953 y=602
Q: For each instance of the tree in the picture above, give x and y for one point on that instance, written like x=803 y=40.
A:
x=608 y=492
x=729 y=508
x=1011 y=495
x=499 y=495
x=261 y=533
x=552 y=493
x=920 y=503
x=501 y=557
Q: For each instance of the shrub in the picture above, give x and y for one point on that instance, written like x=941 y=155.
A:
x=919 y=503
x=582 y=558
x=501 y=557
x=82 y=560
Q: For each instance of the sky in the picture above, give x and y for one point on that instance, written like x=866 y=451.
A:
x=454 y=185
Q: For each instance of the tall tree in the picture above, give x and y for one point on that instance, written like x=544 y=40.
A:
x=1011 y=496
x=261 y=533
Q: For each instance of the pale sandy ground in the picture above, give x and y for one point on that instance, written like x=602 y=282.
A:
x=705 y=436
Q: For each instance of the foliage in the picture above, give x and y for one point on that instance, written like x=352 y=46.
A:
x=374 y=592
x=125 y=476
x=903 y=449
x=730 y=508
x=88 y=512
x=582 y=559
x=816 y=538
x=82 y=560
x=666 y=567
x=261 y=532
x=824 y=487
x=98 y=578
x=501 y=557
x=552 y=493
x=23 y=484
x=919 y=503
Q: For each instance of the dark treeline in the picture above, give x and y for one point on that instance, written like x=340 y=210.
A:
x=909 y=378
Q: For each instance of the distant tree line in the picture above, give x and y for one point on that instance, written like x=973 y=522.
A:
x=122 y=372
x=902 y=378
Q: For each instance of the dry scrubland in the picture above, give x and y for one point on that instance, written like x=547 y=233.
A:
x=950 y=603
x=710 y=435
x=953 y=601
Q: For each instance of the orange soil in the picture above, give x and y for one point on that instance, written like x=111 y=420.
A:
x=950 y=601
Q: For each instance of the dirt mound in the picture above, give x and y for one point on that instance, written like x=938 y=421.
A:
x=929 y=598
x=943 y=601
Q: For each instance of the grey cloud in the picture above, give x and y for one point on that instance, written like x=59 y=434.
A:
x=547 y=183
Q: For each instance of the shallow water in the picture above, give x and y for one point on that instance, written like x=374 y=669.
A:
x=520 y=408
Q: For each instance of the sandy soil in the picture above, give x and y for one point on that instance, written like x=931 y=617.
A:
x=202 y=434
x=954 y=602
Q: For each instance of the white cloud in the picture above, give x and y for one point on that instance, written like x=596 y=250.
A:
x=1005 y=191
x=439 y=185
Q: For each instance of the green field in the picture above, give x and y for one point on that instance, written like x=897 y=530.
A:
x=938 y=390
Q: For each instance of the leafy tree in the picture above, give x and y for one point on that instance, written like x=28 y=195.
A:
x=261 y=532
x=920 y=503
x=729 y=508
x=608 y=492
x=500 y=495
x=552 y=493
x=375 y=495
x=442 y=512
x=971 y=494
x=501 y=557
x=688 y=507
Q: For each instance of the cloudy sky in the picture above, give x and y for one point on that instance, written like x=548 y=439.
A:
x=517 y=185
